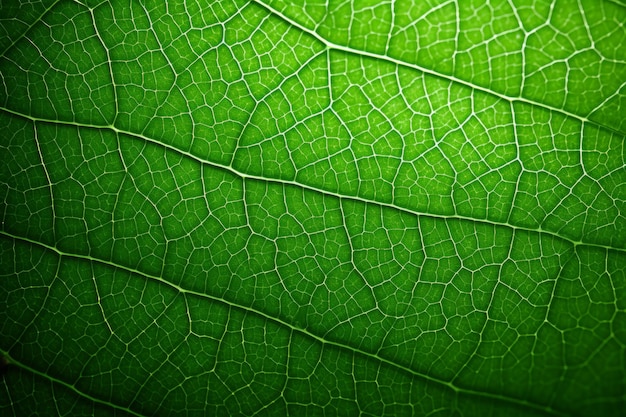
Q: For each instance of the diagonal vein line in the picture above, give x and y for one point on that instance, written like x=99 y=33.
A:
x=71 y=387
x=244 y=175
x=617 y=3
x=25 y=32
x=451 y=78
x=259 y=313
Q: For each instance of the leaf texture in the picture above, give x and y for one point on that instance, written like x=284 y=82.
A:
x=318 y=208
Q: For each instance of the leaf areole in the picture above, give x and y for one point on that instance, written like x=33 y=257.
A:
x=5 y=364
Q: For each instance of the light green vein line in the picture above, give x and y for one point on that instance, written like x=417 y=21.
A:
x=429 y=71
x=25 y=32
x=244 y=175
x=447 y=384
x=616 y=2
x=19 y=364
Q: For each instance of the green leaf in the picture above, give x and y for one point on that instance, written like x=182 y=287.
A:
x=313 y=208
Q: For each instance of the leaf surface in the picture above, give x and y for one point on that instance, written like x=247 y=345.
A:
x=326 y=208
